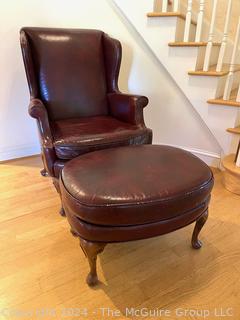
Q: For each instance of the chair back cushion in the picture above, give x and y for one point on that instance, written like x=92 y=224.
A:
x=69 y=71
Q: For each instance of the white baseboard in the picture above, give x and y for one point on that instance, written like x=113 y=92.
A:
x=210 y=158
x=19 y=152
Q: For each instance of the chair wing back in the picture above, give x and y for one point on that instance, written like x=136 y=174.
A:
x=71 y=70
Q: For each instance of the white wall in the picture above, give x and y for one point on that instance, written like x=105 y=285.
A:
x=169 y=114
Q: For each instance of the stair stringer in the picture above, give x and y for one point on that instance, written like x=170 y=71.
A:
x=157 y=33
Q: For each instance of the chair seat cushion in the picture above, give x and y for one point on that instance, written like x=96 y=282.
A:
x=73 y=137
x=135 y=185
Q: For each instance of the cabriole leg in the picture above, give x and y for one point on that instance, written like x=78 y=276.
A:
x=91 y=250
x=44 y=173
x=196 y=243
x=57 y=187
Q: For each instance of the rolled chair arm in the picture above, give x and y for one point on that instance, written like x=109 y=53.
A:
x=127 y=107
x=38 y=111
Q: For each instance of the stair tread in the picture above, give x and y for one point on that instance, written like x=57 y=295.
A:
x=231 y=102
x=169 y=14
x=234 y=130
x=229 y=164
x=212 y=71
x=190 y=44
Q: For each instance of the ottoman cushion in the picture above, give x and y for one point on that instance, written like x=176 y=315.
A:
x=135 y=185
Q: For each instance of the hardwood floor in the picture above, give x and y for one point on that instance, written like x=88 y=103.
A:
x=43 y=267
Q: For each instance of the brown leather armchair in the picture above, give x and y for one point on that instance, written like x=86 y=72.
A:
x=73 y=81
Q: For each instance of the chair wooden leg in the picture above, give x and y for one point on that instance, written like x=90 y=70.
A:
x=57 y=187
x=196 y=243
x=91 y=250
x=44 y=173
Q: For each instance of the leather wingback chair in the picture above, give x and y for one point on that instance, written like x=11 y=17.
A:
x=73 y=81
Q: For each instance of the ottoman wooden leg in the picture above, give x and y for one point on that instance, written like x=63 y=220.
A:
x=196 y=243
x=91 y=250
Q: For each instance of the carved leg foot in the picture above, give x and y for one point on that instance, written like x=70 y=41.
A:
x=73 y=233
x=44 y=173
x=91 y=250
x=62 y=212
x=57 y=187
x=196 y=243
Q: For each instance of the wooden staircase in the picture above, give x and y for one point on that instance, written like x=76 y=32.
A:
x=226 y=69
x=212 y=60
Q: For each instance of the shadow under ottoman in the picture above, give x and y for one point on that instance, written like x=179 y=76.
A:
x=132 y=193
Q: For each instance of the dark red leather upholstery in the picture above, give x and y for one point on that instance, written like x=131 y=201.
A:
x=72 y=75
x=130 y=187
x=73 y=137
x=62 y=60
x=115 y=233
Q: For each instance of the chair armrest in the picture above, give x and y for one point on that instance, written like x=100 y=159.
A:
x=38 y=111
x=127 y=107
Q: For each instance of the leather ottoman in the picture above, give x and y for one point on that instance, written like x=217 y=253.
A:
x=132 y=193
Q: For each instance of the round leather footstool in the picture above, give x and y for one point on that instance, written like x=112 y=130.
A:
x=131 y=193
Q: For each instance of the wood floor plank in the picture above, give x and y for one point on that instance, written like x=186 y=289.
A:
x=42 y=265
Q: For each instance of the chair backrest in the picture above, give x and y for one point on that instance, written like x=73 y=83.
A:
x=68 y=69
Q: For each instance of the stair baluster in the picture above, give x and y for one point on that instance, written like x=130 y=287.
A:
x=210 y=38
x=225 y=37
x=188 y=22
x=176 y=5
x=230 y=78
x=164 y=5
x=200 y=21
